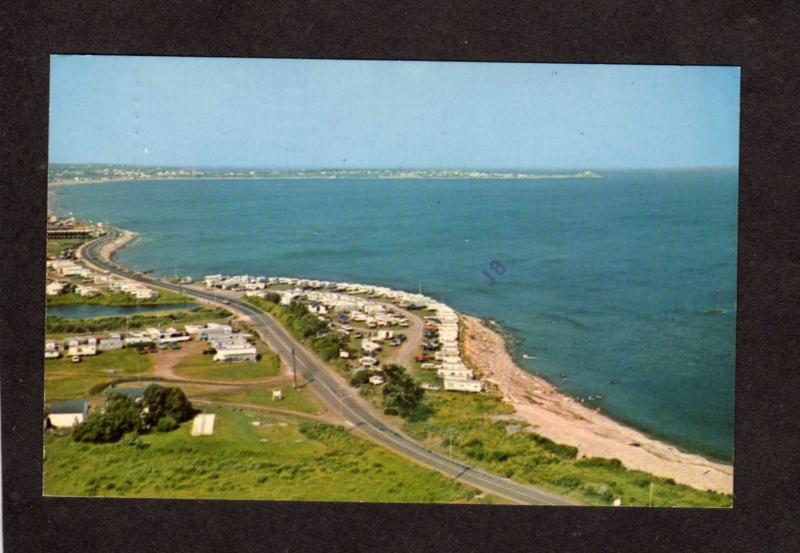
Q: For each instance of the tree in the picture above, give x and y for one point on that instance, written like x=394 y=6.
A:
x=400 y=393
x=120 y=416
x=161 y=401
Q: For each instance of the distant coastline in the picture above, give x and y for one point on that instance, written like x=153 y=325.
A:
x=61 y=175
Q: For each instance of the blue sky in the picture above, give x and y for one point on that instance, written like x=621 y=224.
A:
x=264 y=113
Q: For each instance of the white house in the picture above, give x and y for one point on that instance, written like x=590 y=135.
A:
x=344 y=354
x=66 y=414
x=459 y=385
x=376 y=380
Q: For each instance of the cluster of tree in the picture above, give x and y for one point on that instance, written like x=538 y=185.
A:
x=305 y=326
x=162 y=408
x=401 y=394
x=62 y=325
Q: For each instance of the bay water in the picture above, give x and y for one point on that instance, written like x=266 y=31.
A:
x=621 y=288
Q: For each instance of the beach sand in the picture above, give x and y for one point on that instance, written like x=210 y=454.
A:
x=564 y=420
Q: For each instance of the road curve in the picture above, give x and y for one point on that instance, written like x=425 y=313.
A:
x=336 y=393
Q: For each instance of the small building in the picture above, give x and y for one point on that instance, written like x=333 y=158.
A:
x=368 y=361
x=240 y=353
x=66 y=414
x=459 y=385
x=55 y=288
x=110 y=342
x=344 y=354
x=86 y=291
x=51 y=353
x=203 y=424
x=277 y=394
x=376 y=380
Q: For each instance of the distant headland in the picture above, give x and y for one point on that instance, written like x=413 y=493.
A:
x=62 y=174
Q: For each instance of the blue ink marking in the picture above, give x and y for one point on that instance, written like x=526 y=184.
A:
x=498 y=269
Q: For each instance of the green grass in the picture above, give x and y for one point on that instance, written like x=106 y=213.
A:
x=203 y=367
x=56 y=246
x=197 y=315
x=275 y=461
x=510 y=449
x=165 y=297
x=67 y=380
x=293 y=400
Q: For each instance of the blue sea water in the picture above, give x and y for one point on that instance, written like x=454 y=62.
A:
x=623 y=286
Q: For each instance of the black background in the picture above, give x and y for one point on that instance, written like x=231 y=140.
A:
x=761 y=38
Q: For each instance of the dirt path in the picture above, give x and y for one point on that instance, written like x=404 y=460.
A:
x=404 y=355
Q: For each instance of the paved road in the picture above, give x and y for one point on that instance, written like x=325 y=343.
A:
x=336 y=393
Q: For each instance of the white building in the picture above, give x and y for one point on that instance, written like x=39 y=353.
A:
x=86 y=291
x=66 y=414
x=241 y=353
x=376 y=380
x=110 y=342
x=459 y=385
x=55 y=288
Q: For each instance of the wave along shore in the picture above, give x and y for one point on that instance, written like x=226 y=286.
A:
x=554 y=414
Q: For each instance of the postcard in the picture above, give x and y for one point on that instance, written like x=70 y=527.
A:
x=391 y=281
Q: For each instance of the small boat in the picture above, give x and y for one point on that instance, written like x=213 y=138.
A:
x=526 y=356
x=563 y=376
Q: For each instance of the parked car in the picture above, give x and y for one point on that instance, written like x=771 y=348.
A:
x=76 y=358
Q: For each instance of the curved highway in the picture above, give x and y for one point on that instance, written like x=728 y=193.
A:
x=336 y=393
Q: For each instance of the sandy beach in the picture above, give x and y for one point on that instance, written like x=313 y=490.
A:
x=564 y=420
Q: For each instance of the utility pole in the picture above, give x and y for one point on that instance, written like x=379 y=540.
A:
x=294 y=369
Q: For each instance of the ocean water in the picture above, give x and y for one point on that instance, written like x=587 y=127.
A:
x=623 y=287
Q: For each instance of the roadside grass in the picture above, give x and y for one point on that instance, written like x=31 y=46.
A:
x=203 y=367
x=279 y=460
x=67 y=380
x=165 y=297
x=510 y=448
x=198 y=315
x=301 y=400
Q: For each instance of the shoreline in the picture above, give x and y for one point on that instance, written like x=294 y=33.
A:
x=60 y=183
x=561 y=418
x=558 y=416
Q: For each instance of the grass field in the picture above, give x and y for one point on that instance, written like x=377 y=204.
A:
x=64 y=379
x=56 y=246
x=481 y=437
x=280 y=460
x=293 y=400
x=203 y=367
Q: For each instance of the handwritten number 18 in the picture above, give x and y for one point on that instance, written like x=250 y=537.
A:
x=498 y=268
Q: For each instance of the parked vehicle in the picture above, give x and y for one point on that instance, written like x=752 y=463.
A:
x=76 y=359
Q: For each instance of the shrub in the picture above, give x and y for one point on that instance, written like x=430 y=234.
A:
x=120 y=417
x=601 y=462
x=166 y=424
